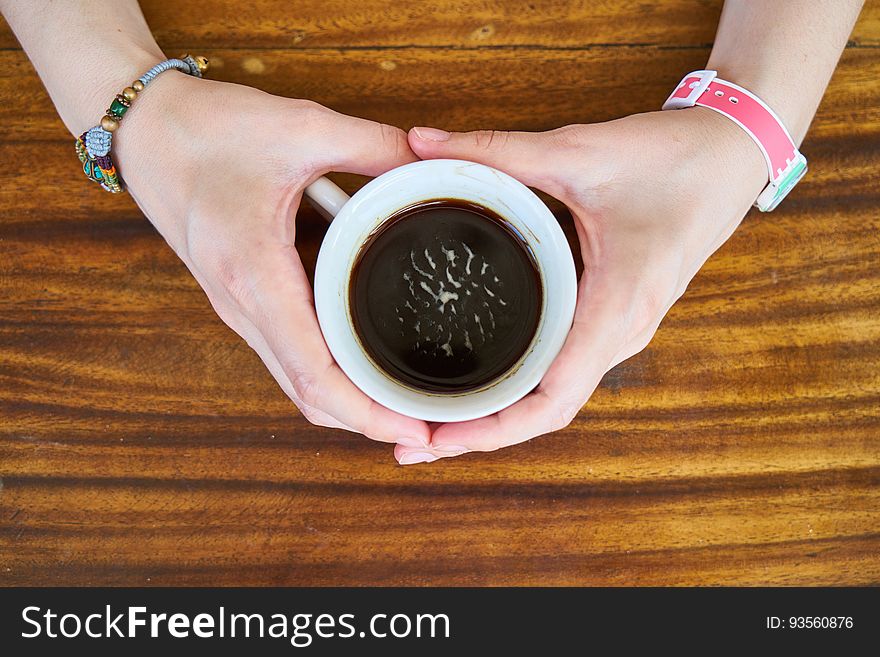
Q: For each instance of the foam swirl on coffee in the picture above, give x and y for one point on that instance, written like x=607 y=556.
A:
x=450 y=306
x=446 y=297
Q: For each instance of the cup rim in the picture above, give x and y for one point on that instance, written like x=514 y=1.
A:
x=377 y=201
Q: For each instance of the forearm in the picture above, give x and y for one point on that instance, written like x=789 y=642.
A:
x=785 y=52
x=84 y=52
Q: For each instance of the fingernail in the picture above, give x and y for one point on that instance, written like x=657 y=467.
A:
x=450 y=449
x=431 y=134
x=409 y=441
x=411 y=458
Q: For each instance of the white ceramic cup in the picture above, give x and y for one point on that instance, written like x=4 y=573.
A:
x=356 y=218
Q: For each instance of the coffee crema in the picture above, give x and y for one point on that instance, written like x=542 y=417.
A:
x=445 y=296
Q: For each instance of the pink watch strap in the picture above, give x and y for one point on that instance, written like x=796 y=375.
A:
x=785 y=164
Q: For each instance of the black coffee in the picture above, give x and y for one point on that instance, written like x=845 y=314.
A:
x=445 y=296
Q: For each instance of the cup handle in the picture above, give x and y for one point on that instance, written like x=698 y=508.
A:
x=326 y=197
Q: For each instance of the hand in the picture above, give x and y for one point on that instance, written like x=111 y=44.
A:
x=652 y=196
x=220 y=169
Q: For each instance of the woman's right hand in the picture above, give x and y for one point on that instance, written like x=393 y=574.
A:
x=219 y=169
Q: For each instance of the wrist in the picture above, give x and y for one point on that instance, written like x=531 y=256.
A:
x=98 y=84
x=153 y=146
x=720 y=159
x=770 y=83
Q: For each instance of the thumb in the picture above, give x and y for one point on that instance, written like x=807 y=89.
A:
x=527 y=156
x=364 y=147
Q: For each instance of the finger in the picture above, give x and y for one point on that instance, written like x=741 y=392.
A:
x=280 y=307
x=249 y=333
x=354 y=145
x=256 y=342
x=586 y=356
x=411 y=456
x=530 y=157
x=535 y=414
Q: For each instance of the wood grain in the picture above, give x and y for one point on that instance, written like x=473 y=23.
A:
x=141 y=442
x=473 y=24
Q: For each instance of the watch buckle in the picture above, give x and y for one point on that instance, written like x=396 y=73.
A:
x=697 y=89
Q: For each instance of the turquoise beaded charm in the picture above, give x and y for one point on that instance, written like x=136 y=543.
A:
x=93 y=146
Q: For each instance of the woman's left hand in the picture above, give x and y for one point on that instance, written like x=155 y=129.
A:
x=652 y=196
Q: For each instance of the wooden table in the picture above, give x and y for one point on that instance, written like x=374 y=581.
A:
x=143 y=443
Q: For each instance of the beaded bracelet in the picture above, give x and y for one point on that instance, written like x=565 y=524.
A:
x=93 y=146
